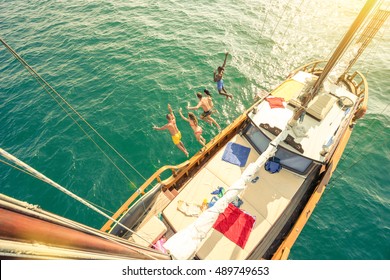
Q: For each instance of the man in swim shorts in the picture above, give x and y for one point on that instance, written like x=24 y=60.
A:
x=207 y=105
x=173 y=130
x=218 y=79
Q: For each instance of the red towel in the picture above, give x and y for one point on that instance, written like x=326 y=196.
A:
x=275 y=102
x=235 y=225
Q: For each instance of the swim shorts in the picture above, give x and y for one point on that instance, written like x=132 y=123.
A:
x=176 y=138
x=206 y=114
x=220 y=85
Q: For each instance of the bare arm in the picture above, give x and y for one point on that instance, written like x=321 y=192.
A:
x=160 y=128
x=195 y=107
x=224 y=62
x=181 y=115
x=171 y=111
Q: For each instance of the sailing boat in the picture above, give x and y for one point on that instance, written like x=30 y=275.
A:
x=247 y=195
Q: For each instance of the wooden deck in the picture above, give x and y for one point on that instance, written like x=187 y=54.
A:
x=265 y=200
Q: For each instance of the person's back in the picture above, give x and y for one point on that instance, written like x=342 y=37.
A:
x=209 y=99
x=173 y=130
x=205 y=104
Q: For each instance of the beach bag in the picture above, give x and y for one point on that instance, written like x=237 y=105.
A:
x=273 y=165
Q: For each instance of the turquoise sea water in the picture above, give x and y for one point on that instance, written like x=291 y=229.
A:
x=119 y=63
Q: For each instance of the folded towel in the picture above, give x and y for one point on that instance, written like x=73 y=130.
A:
x=236 y=154
x=275 y=102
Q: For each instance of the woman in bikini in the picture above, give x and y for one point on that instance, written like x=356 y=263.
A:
x=193 y=121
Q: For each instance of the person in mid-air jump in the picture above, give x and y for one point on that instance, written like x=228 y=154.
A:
x=218 y=75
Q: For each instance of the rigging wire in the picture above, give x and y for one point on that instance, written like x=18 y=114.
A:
x=266 y=16
x=288 y=28
x=46 y=86
x=289 y=24
x=261 y=32
x=280 y=18
x=50 y=217
x=40 y=176
x=373 y=51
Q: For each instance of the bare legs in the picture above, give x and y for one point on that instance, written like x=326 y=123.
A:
x=182 y=148
x=200 y=139
x=211 y=121
x=224 y=93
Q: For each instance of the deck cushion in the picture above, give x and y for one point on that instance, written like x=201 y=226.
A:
x=150 y=232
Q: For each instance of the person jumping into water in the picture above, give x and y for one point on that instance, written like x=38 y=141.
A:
x=207 y=106
x=218 y=79
x=193 y=121
x=173 y=130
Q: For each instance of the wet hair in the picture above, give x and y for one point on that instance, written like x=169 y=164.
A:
x=220 y=68
x=207 y=92
x=168 y=117
x=193 y=118
x=199 y=95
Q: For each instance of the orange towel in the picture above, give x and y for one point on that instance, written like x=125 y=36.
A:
x=275 y=102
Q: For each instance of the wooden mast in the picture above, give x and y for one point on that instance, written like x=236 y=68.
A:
x=35 y=234
x=343 y=45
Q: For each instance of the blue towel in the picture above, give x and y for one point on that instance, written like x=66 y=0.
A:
x=236 y=154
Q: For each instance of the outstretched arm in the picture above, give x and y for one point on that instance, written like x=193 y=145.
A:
x=170 y=110
x=181 y=115
x=195 y=107
x=159 y=128
x=224 y=62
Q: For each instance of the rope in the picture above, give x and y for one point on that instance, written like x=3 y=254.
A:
x=40 y=176
x=374 y=50
x=262 y=29
x=280 y=18
x=289 y=24
x=45 y=85
x=50 y=217
x=261 y=35
x=98 y=233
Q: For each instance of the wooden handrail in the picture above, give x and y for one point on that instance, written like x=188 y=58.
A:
x=311 y=65
x=141 y=189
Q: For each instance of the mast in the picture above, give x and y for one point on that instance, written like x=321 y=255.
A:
x=27 y=232
x=341 y=48
x=376 y=22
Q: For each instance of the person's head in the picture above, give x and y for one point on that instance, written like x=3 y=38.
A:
x=169 y=117
x=220 y=69
x=207 y=92
x=199 y=95
x=193 y=118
